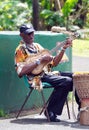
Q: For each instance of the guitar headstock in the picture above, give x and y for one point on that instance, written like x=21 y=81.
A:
x=76 y=34
x=73 y=36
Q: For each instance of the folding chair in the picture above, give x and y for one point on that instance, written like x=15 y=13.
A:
x=44 y=108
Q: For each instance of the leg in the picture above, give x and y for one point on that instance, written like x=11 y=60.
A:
x=76 y=96
x=62 y=87
x=58 y=99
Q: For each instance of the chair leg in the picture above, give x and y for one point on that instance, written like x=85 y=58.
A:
x=45 y=106
x=28 y=95
x=46 y=103
x=68 y=108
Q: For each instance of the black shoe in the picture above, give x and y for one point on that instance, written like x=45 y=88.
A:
x=55 y=120
x=52 y=116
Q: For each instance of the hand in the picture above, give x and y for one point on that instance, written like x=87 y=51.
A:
x=68 y=43
x=47 y=58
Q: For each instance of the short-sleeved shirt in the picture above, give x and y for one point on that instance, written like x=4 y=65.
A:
x=22 y=52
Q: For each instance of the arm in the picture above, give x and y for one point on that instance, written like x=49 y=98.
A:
x=58 y=57
x=21 y=66
x=25 y=65
x=24 y=68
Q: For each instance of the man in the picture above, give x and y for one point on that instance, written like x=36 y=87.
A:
x=62 y=82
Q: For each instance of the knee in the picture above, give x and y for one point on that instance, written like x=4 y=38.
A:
x=69 y=80
x=69 y=83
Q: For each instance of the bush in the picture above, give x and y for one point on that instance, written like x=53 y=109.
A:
x=13 y=14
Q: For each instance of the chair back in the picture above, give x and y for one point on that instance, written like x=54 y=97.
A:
x=26 y=81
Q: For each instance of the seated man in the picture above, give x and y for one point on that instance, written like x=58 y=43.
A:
x=30 y=56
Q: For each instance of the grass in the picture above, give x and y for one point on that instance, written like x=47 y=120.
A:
x=80 y=48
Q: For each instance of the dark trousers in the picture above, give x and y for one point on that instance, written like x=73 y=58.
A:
x=62 y=84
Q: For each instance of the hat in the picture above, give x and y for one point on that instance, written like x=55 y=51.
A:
x=26 y=29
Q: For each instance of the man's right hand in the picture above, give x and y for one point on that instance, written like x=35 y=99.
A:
x=46 y=58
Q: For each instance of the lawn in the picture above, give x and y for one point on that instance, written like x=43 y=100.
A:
x=80 y=48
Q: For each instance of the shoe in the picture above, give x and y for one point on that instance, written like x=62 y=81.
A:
x=52 y=116
x=55 y=120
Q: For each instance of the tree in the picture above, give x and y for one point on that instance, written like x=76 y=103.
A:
x=36 y=14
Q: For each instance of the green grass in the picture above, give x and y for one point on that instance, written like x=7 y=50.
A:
x=80 y=48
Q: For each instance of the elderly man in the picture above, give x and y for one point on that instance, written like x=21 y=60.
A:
x=61 y=82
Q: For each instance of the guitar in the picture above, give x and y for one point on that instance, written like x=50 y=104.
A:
x=34 y=57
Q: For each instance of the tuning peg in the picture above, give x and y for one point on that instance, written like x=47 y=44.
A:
x=76 y=34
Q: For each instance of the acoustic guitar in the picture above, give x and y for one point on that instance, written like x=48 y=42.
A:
x=34 y=57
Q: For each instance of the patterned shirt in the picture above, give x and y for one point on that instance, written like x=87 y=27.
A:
x=22 y=52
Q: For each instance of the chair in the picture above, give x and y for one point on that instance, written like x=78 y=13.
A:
x=44 y=108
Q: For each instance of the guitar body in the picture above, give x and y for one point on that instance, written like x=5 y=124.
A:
x=34 y=57
x=39 y=68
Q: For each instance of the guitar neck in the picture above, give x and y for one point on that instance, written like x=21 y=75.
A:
x=73 y=36
x=57 y=47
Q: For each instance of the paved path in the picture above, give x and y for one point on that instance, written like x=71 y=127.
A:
x=36 y=122
x=80 y=63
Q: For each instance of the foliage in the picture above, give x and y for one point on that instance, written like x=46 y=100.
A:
x=13 y=14
x=79 y=17
x=2 y=113
x=87 y=14
x=68 y=7
x=87 y=20
x=45 y=4
x=51 y=18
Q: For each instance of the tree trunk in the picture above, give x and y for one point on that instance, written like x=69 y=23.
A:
x=36 y=14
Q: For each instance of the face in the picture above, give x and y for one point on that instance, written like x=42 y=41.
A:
x=28 y=38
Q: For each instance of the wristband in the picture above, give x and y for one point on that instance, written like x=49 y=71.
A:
x=37 y=62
